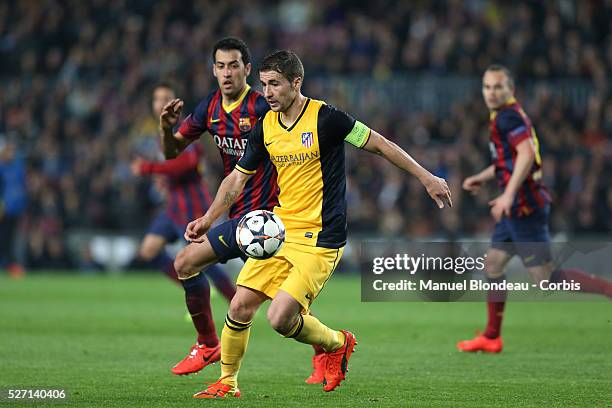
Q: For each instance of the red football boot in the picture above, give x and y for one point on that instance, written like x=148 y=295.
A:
x=336 y=362
x=218 y=390
x=199 y=357
x=482 y=343
x=318 y=369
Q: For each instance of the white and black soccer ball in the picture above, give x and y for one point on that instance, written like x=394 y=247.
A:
x=260 y=234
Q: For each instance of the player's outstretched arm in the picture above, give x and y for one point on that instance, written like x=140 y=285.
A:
x=228 y=192
x=187 y=163
x=436 y=187
x=172 y=143
x=473 y=183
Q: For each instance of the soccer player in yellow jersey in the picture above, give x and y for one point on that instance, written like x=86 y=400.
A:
x=304 y=138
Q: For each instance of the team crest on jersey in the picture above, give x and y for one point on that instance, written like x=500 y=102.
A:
x=307 y=139
x=244 y=124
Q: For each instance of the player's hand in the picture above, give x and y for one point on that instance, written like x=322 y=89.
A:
x=472 y=184
x=501 y=206
x=196 y=229
x=136 y=166
x=438 y=190
x=170 y=114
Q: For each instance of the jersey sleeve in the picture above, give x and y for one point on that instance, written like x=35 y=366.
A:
x=255 y=151
x=187 y=162
x=337 y=126
x=195 y=123
x=196 y=149
x=261 y=107
x=512 y=126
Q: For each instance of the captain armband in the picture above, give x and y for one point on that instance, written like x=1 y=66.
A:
x=359 y=136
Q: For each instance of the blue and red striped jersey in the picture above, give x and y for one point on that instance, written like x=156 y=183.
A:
x=509 y=126
x=230 y=128
x=188 y=196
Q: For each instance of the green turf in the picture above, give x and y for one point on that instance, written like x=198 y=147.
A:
x=110 y=342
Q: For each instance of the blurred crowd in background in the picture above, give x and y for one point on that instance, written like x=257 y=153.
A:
x=77 y=78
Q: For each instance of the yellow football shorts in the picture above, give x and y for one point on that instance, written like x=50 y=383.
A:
x=300 y=270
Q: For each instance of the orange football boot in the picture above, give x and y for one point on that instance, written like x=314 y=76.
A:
x=218 y=390
x=318 y=369
x=482 y=343
x=336 y=362
x=199 y=357
x=16 y=271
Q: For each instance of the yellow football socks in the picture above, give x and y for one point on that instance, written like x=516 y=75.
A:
x=234 y=341
x=310 y=330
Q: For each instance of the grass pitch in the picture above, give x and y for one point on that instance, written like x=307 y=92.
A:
x=110 y=342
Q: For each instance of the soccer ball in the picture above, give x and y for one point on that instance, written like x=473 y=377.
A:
x=260 y=234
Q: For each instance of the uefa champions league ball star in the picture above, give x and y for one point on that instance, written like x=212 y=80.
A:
x=260 y=234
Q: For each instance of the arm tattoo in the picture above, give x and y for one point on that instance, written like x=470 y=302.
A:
x=230 y=197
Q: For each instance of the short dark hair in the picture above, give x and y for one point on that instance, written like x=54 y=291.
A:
x=285 y=62
x=505 y=70
x=232 y=43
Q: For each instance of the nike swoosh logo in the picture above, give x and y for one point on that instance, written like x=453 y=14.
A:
x=215 y=120
x=224 y=363
x=222 y=240
x=268 y=144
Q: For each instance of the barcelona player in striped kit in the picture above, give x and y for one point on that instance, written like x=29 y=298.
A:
x=227 y=124
x=228 y=114
x=187 y=195
x=521 y=211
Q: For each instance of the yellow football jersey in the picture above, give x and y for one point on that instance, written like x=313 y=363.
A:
x=309 y=159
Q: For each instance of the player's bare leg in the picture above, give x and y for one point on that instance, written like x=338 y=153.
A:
x=152 y=250
x=194 y=258
x=491 y=341
x=189 y=263
x=197 y=257
x=588 y=283
x=540 y=272
x=286 y=318
x=151 y=246
x=234 y=341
